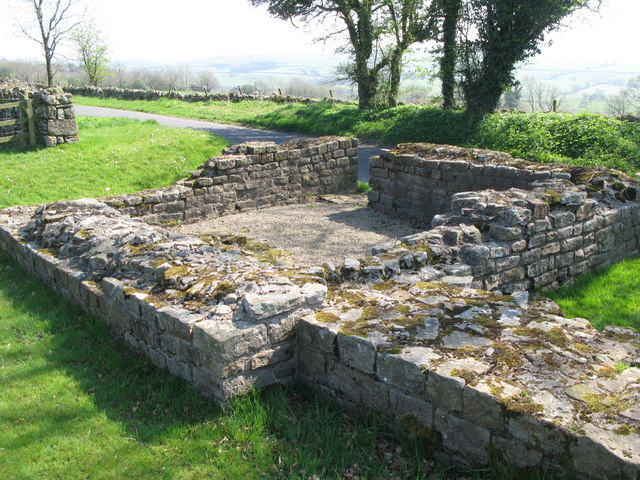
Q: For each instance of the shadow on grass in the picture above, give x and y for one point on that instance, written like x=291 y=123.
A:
x=123 y=384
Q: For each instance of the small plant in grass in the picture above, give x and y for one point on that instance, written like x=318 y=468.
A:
x=363 y=188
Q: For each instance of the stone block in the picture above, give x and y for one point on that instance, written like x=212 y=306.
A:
x=537 y=432
x=317 y=334
x=604 y=454
x=65 y=127
x=482 y=408
x=413 y=413
x=516 y=453
x=357 y=352
x=225 y=343
x=464 y=438
x=406 y=370
x=261 y=307
x=445 y=391
x=345 y=381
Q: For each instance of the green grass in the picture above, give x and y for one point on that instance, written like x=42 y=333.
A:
x=608 y=297
x=114 y=156
x=76 y=404
x=542 y=137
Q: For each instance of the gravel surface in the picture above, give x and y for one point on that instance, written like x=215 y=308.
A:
x=330 y=229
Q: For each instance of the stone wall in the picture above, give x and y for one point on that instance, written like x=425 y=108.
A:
x=53 y=116
x=471 y=371
x=541 y=234
x=417 y=181
x=150 y=95
x=249 y=176
x=474 y=373
x=209 y=312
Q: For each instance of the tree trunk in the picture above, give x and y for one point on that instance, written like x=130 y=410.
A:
x=449 y=51
x=395 y=69
x=47 y=60
x=367 y=88
x=483 y=95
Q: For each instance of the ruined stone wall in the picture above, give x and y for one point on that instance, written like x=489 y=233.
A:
x=471 y=371
x=52 y=116
x=249 y=176
x=218 y=318
x=559 y=222
x=474 y=373
x=417 y=181
x=404 y=333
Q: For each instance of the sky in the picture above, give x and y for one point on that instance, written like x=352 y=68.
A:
x=169 y=31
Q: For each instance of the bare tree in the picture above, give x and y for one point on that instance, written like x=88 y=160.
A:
x=48 y=23
x=619 y=105
x=92 y=52
x=633 y=91
x=531 y=87
x=207 y=81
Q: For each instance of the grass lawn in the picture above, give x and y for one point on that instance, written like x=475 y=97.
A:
x=542 y=137
x=608 y=297
x=114 y=156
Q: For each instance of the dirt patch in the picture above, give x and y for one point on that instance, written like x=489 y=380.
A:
x=330 y=229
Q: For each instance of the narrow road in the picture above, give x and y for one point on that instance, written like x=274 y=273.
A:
x=233 y=133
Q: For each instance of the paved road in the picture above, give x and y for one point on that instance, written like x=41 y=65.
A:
x=233 y=133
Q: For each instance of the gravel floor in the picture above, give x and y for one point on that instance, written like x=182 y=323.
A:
x=330 y=229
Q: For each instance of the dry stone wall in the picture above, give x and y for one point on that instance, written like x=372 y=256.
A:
x=137 y=94
x=208 y=311
x=53 y=116
x=249 y=176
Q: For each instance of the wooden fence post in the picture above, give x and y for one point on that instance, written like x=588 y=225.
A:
x=30 y=121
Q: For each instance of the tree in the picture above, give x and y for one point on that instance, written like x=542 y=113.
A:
x=207 y=82
x=496 y=35
x=633 y=91
x=91 y=52
x=450 y=10
x=51 y=22
x=619 y=105
x=408 y=22
x=379 y=32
